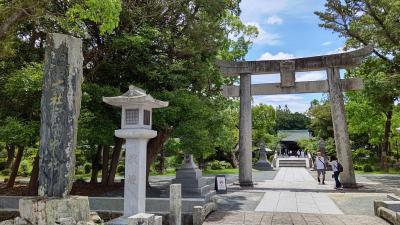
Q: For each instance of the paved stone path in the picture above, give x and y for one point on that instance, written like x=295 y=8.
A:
x=269 y=218
x=302 y=202
x=294 y=178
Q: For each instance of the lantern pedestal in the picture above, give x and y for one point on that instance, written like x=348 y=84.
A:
x=194 y=185
x=135 y=168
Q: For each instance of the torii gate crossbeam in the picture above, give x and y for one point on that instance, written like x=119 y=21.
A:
x=287 y=69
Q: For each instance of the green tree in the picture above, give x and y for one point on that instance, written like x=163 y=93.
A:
x=264 y=119
x=286 y=120
x=364 y=22
x=321 y=119
x=20 y=134
x=72 y=16
x=97 y=124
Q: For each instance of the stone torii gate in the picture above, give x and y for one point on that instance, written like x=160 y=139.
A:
x=287 y=69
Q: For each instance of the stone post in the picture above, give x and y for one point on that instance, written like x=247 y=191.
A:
x=197 y=215
x=245 y=152
x=60 y=107
x=340 y=128
x=175 y=204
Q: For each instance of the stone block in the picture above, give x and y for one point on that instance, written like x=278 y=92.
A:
x=188 y=173
x=141 y=219
x=44 y=211
x=191 y=182
x=66 y=221
x=158 y=220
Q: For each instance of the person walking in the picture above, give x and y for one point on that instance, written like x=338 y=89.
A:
x=336 y=168
x=321 y=167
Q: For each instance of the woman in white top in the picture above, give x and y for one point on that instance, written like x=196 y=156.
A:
x=335 y=167
x=320 y=165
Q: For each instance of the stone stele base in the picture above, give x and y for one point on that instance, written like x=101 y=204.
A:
x=44 y=211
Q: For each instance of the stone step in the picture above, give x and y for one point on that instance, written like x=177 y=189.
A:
x=202 y=191
x=194 y=183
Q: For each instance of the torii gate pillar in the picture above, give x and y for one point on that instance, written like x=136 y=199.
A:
x=340 y=130
x=245 y=129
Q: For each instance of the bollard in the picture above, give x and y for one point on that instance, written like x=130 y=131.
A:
x=197 y=215
x=175 y=204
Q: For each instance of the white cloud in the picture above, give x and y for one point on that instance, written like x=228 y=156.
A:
x=265 y=37
x=265 y=79
x=311 y=76
x=272 y=20
x=296 y=103
x=326 y=43
x=258 y=10
x=277 y=56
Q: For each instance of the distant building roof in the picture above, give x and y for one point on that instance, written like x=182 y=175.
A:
x=294 y=135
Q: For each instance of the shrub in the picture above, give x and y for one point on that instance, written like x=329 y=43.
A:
x=25 y=168
x=79 y=170
x=6 y=172
x=121 y=169
x=219 y=165
x=368 y=168
x=357 y=167
x=3 y=162
x=87 y=168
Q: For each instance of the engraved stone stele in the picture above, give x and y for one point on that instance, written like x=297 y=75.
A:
x=60 y=107
x=136 y=129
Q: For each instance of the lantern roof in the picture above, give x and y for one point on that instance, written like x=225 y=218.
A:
x=135 y=96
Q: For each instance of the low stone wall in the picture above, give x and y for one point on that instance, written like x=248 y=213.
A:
x=113 y=204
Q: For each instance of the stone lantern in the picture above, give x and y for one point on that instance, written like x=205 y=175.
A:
x=136 y=129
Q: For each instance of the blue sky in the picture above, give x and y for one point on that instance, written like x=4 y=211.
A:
x=288 y=29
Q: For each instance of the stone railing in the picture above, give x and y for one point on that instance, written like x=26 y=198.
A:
x=201 y=212
x=389 y=210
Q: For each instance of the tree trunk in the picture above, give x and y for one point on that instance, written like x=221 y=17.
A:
x=385 y=144
x=10 y=155
x=14 y=169
x=161 y=165
x=96 y=165
x=153 y=148
x=114 y=160
x=34 y=181
x=10 y=21
x=232 y=158
x=106 y=159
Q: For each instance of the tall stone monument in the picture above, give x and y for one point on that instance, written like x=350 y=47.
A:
x=60 y=108
x=136 y=129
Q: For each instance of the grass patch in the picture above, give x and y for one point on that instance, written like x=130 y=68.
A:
x=391 y=171
x=223 y=171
